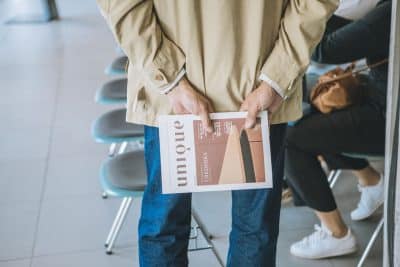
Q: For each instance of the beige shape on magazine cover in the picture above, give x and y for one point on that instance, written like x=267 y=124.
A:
x=232 y=171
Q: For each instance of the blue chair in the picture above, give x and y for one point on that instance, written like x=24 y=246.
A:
x=125 y=176
x=111 y=128
x=122 y=176
x=118 y=66
x=112 y=92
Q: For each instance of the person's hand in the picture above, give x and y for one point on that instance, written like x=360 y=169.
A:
x=186 y=100
x=262 y=98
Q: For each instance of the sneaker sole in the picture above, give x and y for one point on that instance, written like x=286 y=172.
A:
x=328 y=255
x=370 y=213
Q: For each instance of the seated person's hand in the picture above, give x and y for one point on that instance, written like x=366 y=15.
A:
x=264 y=97
x=187 y=100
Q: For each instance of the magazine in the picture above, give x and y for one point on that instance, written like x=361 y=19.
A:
x=230 y=158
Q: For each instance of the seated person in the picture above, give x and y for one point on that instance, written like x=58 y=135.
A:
x=357 y=129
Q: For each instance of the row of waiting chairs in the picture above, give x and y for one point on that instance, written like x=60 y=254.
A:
x=123 y=174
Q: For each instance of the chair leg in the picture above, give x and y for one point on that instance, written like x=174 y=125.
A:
x=136 y=145
x=200 y=226
x=111 y=153
x=115 y=222
x=140 y=144
x=119 y=224
x=122 y=147
x=370 y=243
x=331 y=175
x=111 y=150
x=334 y=177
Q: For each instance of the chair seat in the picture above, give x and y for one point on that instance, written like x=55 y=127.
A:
x=111 y=127
x=124 y=175
x=112 y=92
x=118 y=66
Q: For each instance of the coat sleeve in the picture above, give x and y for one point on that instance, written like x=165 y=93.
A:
x=301 y=28
x=135 y=27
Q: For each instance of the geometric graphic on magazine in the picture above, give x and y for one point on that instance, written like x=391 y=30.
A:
x=231 y=155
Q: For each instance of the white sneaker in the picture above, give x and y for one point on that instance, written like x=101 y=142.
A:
x=322 y=244
x=372 y=198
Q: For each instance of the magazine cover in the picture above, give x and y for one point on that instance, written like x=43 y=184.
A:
x=230 y=158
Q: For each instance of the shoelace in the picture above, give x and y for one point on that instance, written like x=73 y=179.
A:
x=319 y=234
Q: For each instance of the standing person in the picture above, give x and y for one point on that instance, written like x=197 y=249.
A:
x=202 y=56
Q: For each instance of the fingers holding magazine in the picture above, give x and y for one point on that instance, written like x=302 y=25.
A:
x=262 y=98
x=186 y=100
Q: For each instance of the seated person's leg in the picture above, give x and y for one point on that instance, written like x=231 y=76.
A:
x=342 y=131
x=367 y=37
x=370 y=183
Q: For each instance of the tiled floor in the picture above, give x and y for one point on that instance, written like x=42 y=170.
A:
x=51 y=213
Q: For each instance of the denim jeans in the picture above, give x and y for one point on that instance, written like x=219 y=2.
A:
x=164 y=225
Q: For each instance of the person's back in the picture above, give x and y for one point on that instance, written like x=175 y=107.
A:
x=223 y=45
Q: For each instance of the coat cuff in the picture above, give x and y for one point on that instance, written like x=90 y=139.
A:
x=168 y=88
x=281 y=72
x=263 y=77
x=167 y=64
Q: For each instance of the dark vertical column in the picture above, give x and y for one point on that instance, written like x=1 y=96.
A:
x=50 y=11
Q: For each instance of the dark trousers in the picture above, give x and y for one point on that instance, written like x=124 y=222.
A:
x=358 y=129
x=164 y=225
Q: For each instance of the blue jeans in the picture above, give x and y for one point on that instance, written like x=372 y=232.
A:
x=164 y=225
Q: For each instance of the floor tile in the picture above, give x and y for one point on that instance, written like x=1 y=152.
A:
x=296 y=218
x=21 y=180
x=16 y=263
x=23 y=144
x=121 y=258
x=76 y=175
x=81 y=223
x=72 y=141
x=17 y=230
x=202 y=258
x=214 y=210
x=26 y=92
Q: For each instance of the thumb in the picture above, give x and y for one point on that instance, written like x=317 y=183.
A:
x=251 y=117
x=244 y=106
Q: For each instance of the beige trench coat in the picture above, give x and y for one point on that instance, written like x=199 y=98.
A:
x=224 y=45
